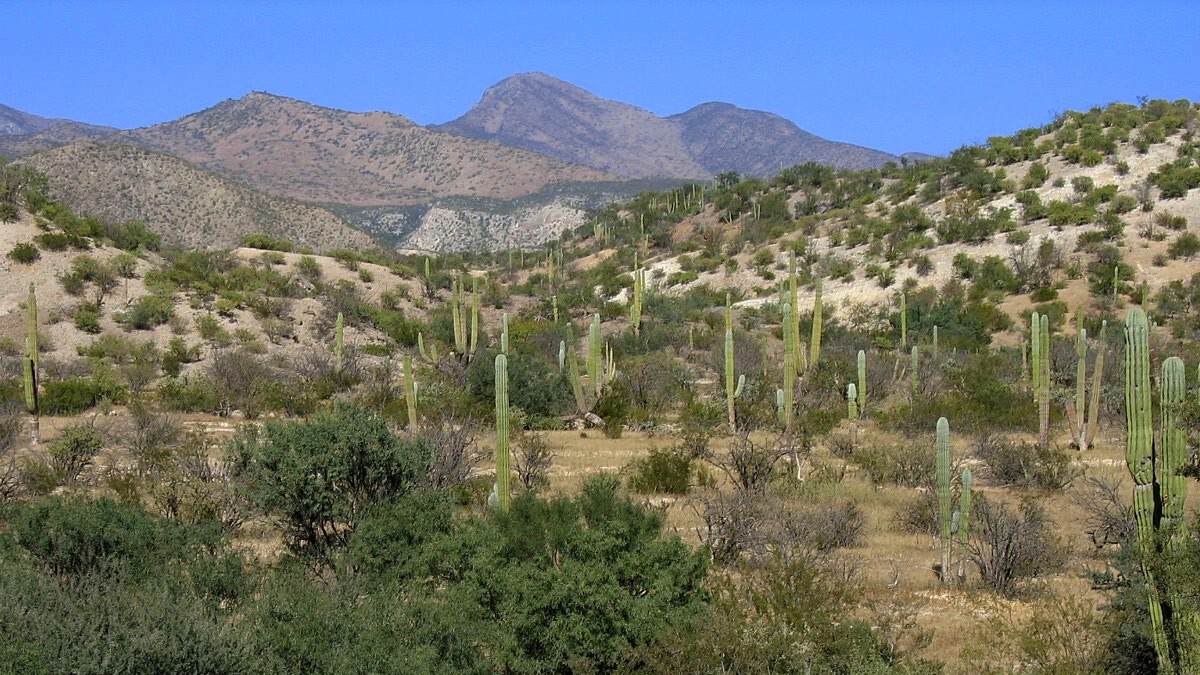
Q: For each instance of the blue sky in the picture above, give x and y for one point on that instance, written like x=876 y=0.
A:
x=897 y=76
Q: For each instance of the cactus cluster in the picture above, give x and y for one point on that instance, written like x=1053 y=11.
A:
x=466 y=329
x=1159 y=491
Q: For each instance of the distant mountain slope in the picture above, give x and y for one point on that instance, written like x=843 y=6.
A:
x=547 y=115
x=22 y=133
x=541 y=113
x=295 y=149
x=724 y=137
x=187 y=205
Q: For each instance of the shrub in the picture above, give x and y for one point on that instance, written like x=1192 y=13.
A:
x=87 y=319
x=72 y=452
x=909 y=464
x=661 y=472
x=24 y=253
x=1009 y=547
x=148 y=312
x=1024 y=464
x=74 y=395
x=1187 y=245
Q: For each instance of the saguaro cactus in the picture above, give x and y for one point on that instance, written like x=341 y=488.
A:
x=730 y=392
x=851 y=402
x=593 y=363
x=914 y=366
x=903 y=321
x=943 y=488
x=1040 y=331
x=410 y=392
x=30 y=366
x=339 y=336
x=1083 y=414
x=502 y=434
x=814 y=347
x=964 y=523
x=635 y=303
x=862 y=382
x=789 y=371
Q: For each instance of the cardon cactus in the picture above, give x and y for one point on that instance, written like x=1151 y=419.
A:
x=410 y=392
x=1082 y=413
x=1040 y=334
x=1139 y=457
x=730 y=392
x=964 y=523
x=814 y=345
x=943 y=490
x=581 y=403
x=593 y=362
x=503 y=473
x=862 y=382
x=903 y=321
x=635 y=303
x=339 y=336
x=30 y=365
x=851 y=402
x=914 y=368
x=789 y=370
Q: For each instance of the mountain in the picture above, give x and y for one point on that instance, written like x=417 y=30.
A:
x=22 y=133
x=187 y=205
x=294 y=149
x=541 y=113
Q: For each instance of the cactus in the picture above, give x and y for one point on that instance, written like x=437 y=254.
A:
x=934 y=350
x=1025 y=360
x=339 y=334
x=789 y=369
x=903 y=321
x=964 y=523
x=502 y=434
x=1035 y=354
x=474 y=344
x=851 y=402
x=1044 y=383
x=730 y=394
x=862 y=382
x=1083 y=414
x=779 y=407
x=460 y=335
x=562 y=354
x=814 y=347
x=915 y=365
x=635 y=304
x=943 y=489
x=504 y=334
x=410 y=392
x=593 y=363
x=29 y=374
x=554 y=305
x=1139 y=457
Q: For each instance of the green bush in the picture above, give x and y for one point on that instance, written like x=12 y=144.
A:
x=148 y=312
x=74 y=395
x=24 y=253
x=87 y=319
x=661 y=472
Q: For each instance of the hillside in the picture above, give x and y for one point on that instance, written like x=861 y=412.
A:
x=187 y=205
x=22 y=133
x=547 y=115
x=294 y=149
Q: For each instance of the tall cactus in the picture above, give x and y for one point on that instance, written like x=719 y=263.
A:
x=814 y=347
x=903 y=321
x=562 y=354
x=730 y=393
x=410 y=392
x=581 y=403
x=1083 y=414
x=503 y=474
x=593 y=363
x=1041 y=375
x=474 y=342
x=934 y=349
x=862 y=382
x=787 y=404
x=943 y=488
x=635 y=304
x=339 y=336
x=30 y=366
x=1035 y=354
x=851 y=402
x=504 y=334
x=1139 y=457
x=456 y=317
x=915 y=367
x=964 y=523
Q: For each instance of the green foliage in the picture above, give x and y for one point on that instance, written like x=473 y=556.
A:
x=267 y=242
x=73 y=395
x=666 y=471
x=132 y=236
x=322 y=476
x=148 y=312
x=87 y=319
x=535 y=385
x=24 y=253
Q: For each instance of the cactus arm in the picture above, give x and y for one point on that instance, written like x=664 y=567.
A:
x=502 y=434
x=943 y=487
x=851 y=402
